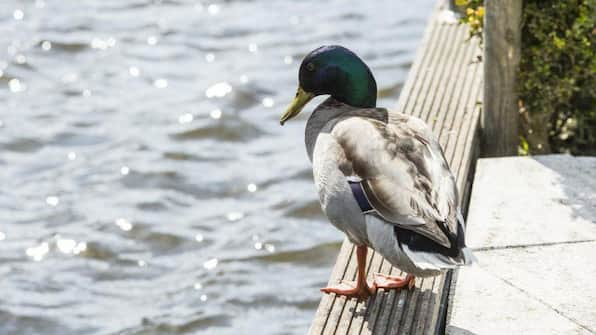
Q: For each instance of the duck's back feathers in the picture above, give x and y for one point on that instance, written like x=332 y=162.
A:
x=404 y=174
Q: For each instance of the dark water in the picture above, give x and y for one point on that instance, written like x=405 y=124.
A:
x=147 y=187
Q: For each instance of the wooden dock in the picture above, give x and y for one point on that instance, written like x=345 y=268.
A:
x=444 y=88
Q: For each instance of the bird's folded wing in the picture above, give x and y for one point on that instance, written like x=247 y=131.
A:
x=404 y=172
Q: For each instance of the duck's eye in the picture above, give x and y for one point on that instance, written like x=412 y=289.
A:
x=310 y=67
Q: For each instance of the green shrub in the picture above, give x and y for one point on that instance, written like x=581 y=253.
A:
x=557 y=74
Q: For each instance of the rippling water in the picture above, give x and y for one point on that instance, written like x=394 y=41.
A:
x=147 y=187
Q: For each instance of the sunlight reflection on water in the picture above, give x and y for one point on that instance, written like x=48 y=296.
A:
x=147 y=184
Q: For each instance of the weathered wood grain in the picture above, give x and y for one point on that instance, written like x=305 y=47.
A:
x=502 y=47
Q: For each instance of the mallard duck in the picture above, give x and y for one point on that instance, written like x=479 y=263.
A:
x=382 y=178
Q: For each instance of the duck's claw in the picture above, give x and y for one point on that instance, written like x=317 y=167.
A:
x=350 y=290
x=390 y=282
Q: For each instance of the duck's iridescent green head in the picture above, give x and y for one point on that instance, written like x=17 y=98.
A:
x=336 y=71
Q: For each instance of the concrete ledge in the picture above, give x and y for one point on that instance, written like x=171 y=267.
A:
x=532 y=200
x=533 y=224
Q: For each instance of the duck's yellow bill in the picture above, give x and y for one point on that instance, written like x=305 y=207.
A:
x=300 y=100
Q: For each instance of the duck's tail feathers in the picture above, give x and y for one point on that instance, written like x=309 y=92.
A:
x=429 y=260
x=435 y=261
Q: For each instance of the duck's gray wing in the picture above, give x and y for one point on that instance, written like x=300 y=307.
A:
x=404 y=173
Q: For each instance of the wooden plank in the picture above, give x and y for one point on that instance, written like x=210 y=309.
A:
x=435 y=73
x=363 y=309
x=335 y=315
x=470 y=147
x=447 y=69
x=375 y=307
x=431 y=37
x=443 y=87
x=467 y=112
x=328 y=301
x=376 y=311
x=456 y=102
x=392 y=298
x=352 y=305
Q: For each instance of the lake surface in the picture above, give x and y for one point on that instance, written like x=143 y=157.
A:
x=147 y=187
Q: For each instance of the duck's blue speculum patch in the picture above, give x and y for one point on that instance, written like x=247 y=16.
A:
x=339 y=72
x=360 y=196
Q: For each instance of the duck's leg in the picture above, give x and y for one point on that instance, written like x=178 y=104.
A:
x=360 y=289
x=390 y=282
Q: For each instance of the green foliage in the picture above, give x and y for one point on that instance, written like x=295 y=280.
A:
x=557 y=75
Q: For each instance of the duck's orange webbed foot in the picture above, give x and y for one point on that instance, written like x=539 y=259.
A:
x=390 y=282
x=350 y=290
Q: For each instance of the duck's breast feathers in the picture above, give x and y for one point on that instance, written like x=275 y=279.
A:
x=404 y=172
